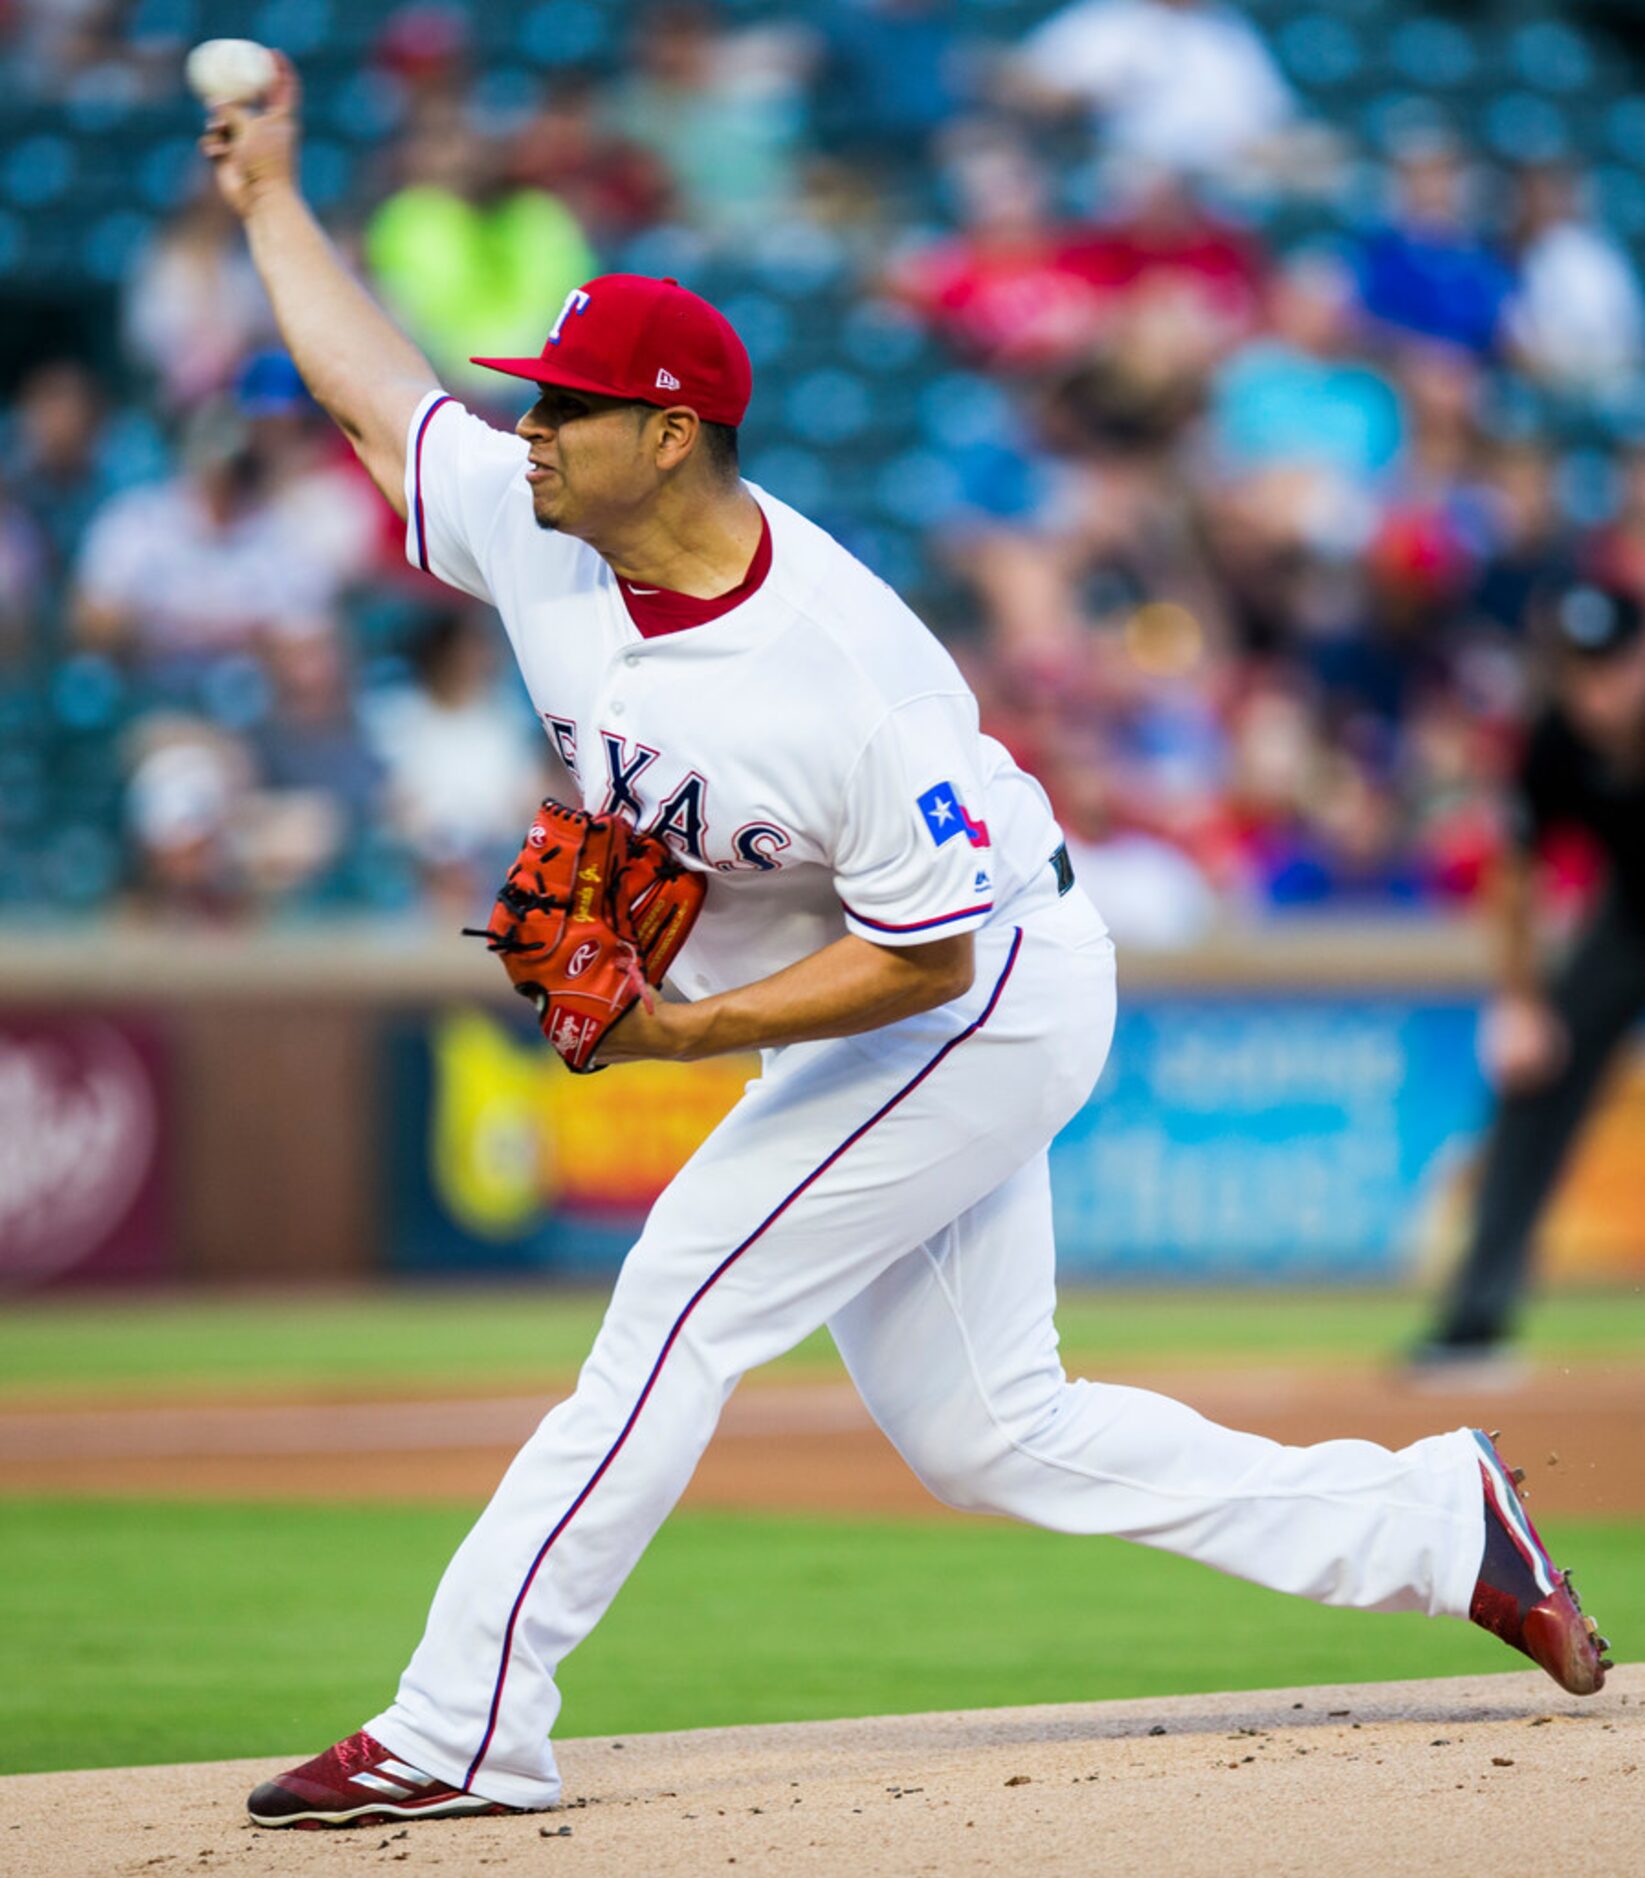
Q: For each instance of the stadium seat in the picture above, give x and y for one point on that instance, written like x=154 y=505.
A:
x=299 y=27
x=37 y=171
x=794 y=475
x=566 y=33
x=1552 y=55
x=1432 y=52
x=1320 y=51
x=762 y=321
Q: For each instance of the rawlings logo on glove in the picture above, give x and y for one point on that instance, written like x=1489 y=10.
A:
x=577 y=871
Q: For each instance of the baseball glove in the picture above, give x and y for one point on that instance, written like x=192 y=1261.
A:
x=590 y=917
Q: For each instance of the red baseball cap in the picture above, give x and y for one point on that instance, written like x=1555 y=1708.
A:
x=629 y=336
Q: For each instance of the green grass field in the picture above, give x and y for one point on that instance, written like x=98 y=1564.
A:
x=489 y=1340
x=144 y=1631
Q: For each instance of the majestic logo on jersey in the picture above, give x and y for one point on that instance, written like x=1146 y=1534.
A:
x=947 y=816
x=575 y=302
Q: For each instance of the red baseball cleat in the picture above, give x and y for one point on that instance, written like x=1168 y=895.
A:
x=1521 y=1597
x=359 y=1783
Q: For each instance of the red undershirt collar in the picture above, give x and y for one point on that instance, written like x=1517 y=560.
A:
x=659 y=610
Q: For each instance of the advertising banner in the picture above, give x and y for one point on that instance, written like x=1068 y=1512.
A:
x=82 y=1127
x=507 y=1161
x=1295 y=1139
x=1234 y=1137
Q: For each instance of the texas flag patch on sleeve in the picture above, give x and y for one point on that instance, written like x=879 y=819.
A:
x=946 y=816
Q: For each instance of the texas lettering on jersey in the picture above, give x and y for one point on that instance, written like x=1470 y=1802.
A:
x=681 y=816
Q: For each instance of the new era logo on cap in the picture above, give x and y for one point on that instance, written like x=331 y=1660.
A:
x=612 y=336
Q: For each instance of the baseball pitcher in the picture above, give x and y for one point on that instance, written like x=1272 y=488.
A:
x=786 y=803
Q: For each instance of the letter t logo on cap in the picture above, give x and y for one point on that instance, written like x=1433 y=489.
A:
x=575 y=302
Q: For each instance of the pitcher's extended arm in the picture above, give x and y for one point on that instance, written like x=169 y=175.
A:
x=353 y=358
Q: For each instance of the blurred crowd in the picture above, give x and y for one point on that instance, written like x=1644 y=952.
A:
x=1230 y=454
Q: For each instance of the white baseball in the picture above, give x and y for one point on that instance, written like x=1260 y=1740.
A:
x=230 y=71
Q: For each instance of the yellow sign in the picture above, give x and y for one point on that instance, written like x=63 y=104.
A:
x=514 y=1134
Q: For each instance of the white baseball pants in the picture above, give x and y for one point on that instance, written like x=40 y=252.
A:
x=894 y=1187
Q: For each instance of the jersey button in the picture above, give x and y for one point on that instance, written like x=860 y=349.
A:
x=616 y=707
x=632 y=660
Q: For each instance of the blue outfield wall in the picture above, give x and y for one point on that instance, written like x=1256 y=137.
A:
x=1232 y=1137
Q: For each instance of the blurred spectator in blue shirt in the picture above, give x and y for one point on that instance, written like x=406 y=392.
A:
x=1427 y=270
x=1298 y=396
x=1577 y=318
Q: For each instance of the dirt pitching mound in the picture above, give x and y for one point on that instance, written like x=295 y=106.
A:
x=1447 y=1777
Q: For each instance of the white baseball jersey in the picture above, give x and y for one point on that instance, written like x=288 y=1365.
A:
x=815 y=749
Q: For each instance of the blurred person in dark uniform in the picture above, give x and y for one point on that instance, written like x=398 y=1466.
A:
x=1546 y=1041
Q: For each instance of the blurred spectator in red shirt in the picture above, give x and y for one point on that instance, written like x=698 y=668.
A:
x=1156 y=238
x=1008 y=289
x=1176 y=286
x=614 y=186
x=424 y=47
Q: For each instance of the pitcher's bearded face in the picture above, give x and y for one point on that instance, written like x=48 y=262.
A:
x=592 y=458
